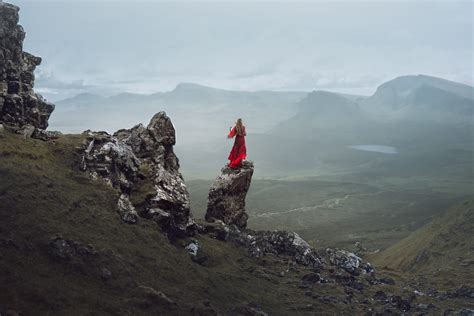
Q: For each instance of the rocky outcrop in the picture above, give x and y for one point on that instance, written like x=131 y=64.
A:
x=19 y=104
x=226 y=199
x=262 y=243
x=141 y=164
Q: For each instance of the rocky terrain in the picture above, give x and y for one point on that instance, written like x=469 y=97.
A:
x=141 y=164
x=19 y=104
x=101 y=224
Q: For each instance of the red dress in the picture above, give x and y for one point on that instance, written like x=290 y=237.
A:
x=239 y=151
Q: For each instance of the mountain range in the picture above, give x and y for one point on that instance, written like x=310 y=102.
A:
x=313 y=129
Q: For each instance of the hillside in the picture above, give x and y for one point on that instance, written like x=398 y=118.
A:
x=440 y=248
x=65 y=250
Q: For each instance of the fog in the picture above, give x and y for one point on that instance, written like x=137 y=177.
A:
x=109 y=47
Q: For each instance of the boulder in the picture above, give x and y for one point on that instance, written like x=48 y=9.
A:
x=19 y=104
x=227 y=194
x=141 y=164
x=344 y=259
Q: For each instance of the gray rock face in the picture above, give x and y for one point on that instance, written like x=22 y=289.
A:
x=19 y=104
x=344 y=259
x=140 y=162
x=261 y=243
x=226 y=199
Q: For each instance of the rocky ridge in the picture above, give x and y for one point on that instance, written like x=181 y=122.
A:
x=20 y=106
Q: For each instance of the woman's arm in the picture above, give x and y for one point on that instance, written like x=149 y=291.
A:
x=231 y=133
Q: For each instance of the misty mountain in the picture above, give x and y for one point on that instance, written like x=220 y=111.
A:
x=422 y=98
x=199 y=112
x=319 y=114
x=297 y=133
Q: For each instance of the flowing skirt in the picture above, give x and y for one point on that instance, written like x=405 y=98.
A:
x=238 y=152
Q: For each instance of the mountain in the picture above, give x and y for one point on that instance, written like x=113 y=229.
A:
x=321 y=113
x=81 y=100
x=422 y=98
x=192 y=106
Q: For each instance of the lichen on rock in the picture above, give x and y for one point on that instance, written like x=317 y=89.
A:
x=141 y=164
x=19 y=104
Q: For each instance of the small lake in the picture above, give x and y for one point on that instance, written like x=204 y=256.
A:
x=376 y=148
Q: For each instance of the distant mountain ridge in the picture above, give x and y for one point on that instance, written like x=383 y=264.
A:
x=413 y=97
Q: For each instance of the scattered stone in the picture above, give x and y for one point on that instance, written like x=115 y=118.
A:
x=459 y=312
x=44 y=135
x=463 y=291
x=127 y=210
x=193 y=248
x=106 y=275
x=348 y=280
x=400 y=303
x=64 y=249
x=380 y=296
x=367 y=268
x=27 y=131
x=311 y=278
x=359 y=249
x=425 y=307
x=226 y=200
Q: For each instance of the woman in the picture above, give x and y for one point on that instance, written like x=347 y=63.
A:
x=239 y=151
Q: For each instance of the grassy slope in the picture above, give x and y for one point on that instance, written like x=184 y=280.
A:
x=442 y=251
x=42 y=195
x=336 y=213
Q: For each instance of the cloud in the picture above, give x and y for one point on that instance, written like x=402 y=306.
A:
x=104 y=46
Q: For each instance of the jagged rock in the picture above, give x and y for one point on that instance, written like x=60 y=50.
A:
x=133 y=157
x=127 y=210
x=259 y=243
x=193 y=248
x=45 y=135
x=344 y=259
x=226 y=199
x=19 y=104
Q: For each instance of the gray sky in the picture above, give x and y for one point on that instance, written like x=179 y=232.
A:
x=347 y=46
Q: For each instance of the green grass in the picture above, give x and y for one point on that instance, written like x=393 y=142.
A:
x=337 y=213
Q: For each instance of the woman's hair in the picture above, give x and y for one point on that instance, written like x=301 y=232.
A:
x=239 y=127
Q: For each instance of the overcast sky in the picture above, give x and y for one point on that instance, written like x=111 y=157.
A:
x=143 y=47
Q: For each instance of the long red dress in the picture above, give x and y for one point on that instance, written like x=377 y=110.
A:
x=239 y=151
